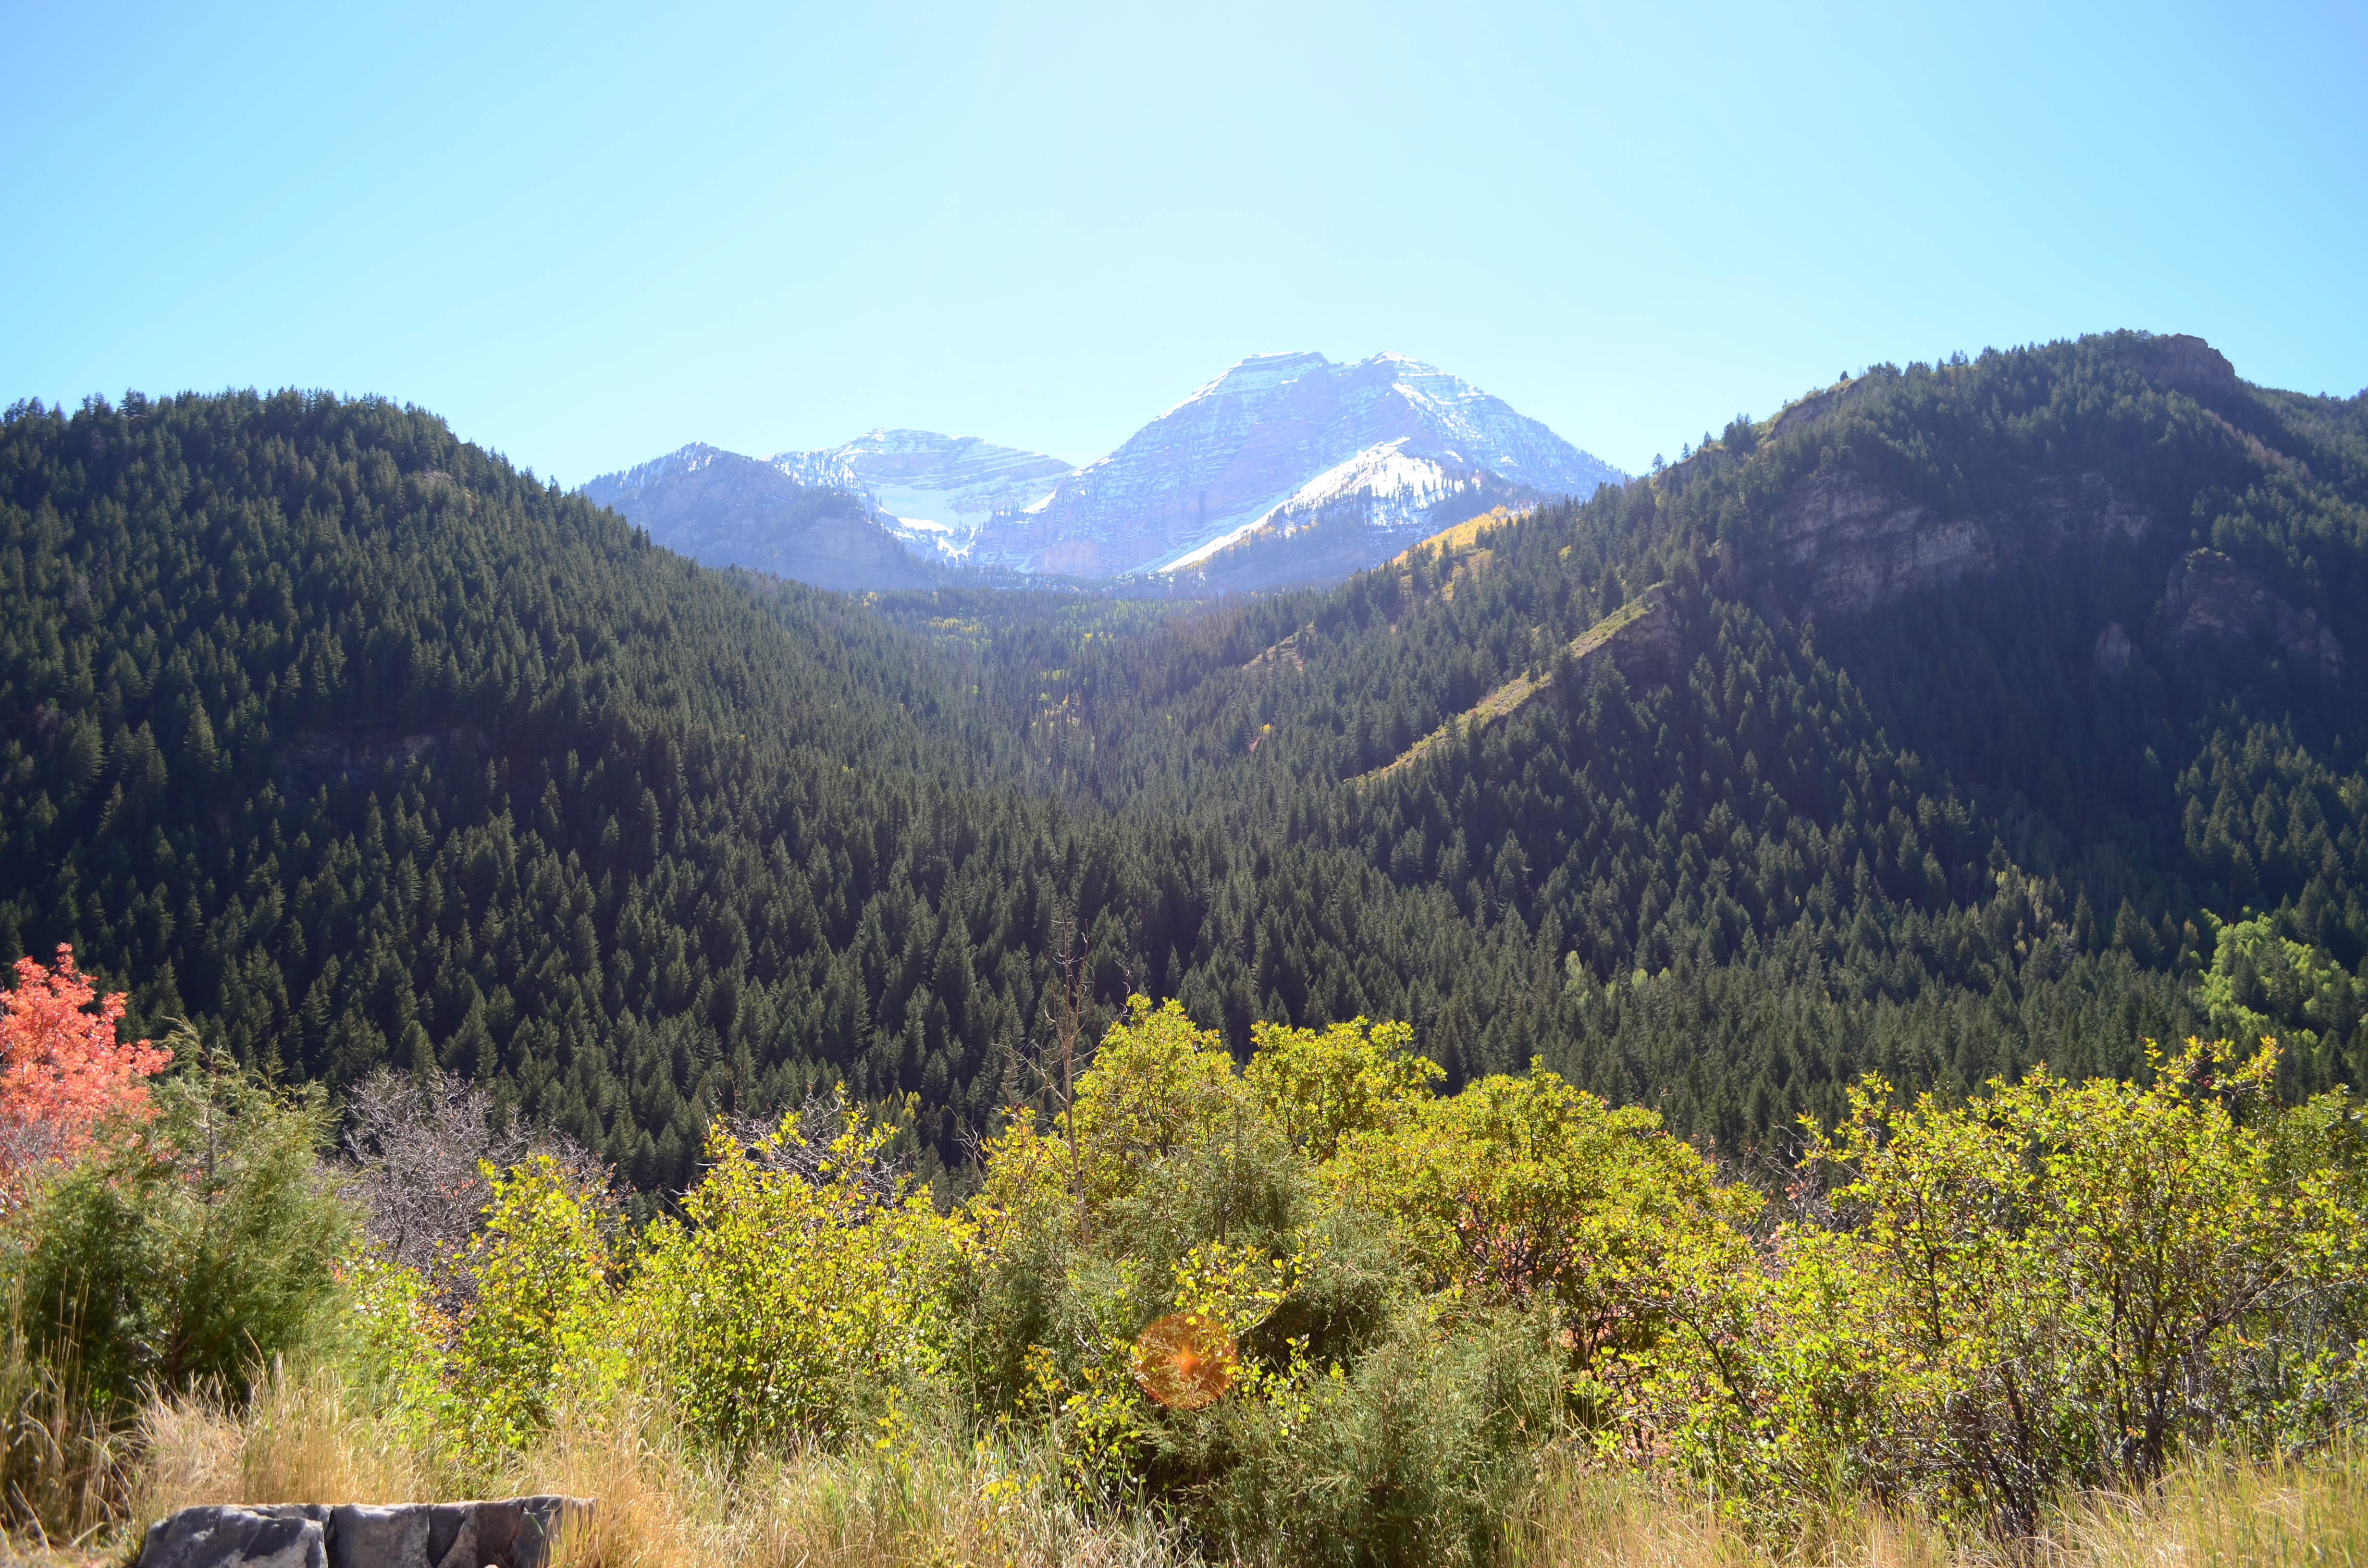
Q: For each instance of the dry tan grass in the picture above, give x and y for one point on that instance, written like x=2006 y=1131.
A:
x=2204 y=1514
x=2224 y=1516
x=661 y=1506
x=299 y=1440
x=930 y=1503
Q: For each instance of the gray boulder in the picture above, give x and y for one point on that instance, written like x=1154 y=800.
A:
x=515 y=1532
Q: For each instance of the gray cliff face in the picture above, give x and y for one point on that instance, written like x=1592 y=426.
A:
x=1852 y=546
x=2113 y=649
x=726 y=510
x=1280 y=431
x=2208 y=595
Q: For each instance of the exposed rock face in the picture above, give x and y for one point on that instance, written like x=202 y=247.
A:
x=2113 y=648
x=1278 y=430
x=1854 y=546
x=2181 y=361
x=1640 y=639
x=312 y=757
x=2209 y=596
x=515 y=1533
x=938 y=493
x=727 y=510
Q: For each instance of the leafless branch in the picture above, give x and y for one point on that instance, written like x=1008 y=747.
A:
x=420 y=1149
x=819 y=1121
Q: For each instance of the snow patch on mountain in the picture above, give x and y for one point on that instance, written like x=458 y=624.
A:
x=937 y=493
x=1282 y=432
x=1306 y=456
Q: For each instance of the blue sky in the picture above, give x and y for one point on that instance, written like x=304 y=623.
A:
x=588 y=234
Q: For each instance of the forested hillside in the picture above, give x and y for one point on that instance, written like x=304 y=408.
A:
x=359 y=746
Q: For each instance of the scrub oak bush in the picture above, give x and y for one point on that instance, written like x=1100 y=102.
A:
x=1402 y=1306
x=778 y=1308
x=2052 y=1285
x=2056 y=1285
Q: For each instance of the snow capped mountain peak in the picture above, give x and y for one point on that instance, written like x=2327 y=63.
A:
x=1256 y=374
x=935 y=492
x=1270 y=446
x=1260 y=435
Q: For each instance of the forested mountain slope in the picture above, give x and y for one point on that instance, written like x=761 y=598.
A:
x=1949 y=753
x=1949 y=768
x=359 y=747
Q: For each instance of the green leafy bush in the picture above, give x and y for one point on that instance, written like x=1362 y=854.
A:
x=1367 y=1419
x=189 y=1249
x=793 y=1301
x=2056 y=1285
x=543 y=1309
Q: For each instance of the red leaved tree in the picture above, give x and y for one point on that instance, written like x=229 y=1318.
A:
x=62 y=1072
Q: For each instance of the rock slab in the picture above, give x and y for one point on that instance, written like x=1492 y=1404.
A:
x=2209 y=596
x=514 y=1532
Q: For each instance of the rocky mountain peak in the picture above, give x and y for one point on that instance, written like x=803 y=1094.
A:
x=1277 y=432
x=1379 y=452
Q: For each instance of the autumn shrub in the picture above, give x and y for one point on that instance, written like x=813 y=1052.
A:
x=1526 y=1192
x=793 y=1301
x=188 y=1248
x=1362 y=1419
x=2055 y=1286
x=1320 y=1085
x=542 y=1316
x=63 y=1071
x=1303 y=1309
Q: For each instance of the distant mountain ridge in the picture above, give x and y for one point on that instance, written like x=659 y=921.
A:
x=1292 y=431
x=938 y=491
x=1286 y=468
x=723 y=509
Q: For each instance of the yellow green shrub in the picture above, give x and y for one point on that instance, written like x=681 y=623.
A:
x=2056 y=1285
x=1524 y=1190
x=788 y=1302
x=1319 y=1086
x=543 y=1309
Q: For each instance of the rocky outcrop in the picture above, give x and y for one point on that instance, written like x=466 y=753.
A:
x=516 y=1532
x=312 y=757
x=2209 y=596
x=2113 y=648
x=1284 y=655
x=2179 y=360
x=1640 y=639
x=1850 y=545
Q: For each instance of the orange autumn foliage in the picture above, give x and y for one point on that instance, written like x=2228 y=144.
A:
x=63 y=1071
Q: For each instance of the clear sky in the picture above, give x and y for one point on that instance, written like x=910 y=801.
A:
x=587 y=234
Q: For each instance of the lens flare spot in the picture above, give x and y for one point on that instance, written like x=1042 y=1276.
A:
x=1185 y=1361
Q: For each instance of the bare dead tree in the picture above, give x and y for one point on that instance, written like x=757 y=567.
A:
x=420 y=1148
x=880 y=1176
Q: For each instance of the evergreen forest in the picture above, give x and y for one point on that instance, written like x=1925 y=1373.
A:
x=355 y=745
